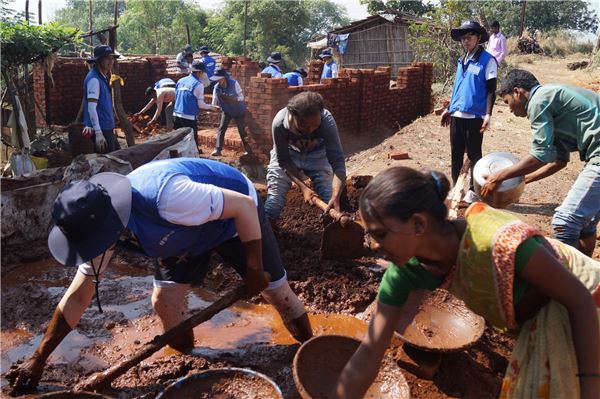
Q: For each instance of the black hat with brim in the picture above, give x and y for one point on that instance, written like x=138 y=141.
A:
x=93 y=226
x=470 y=26
x=102 y=51
x=302 y=72
x=274 y=58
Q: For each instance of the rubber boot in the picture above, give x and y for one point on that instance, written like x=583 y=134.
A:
x=300 y=328
x=184 y=342
x=25 y=377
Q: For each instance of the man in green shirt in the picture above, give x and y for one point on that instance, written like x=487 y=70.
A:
x=563 y=119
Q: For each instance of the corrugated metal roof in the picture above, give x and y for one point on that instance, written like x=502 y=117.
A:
x=373 y=20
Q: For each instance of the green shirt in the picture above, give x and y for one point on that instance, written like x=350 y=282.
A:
x=564 y=119
x=399 y=282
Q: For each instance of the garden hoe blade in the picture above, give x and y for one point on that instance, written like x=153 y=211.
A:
x=342 y=242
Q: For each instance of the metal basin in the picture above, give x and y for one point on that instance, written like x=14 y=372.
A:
x=509 y=191
x=320 y=361
x=224 y=383
x=438 y=321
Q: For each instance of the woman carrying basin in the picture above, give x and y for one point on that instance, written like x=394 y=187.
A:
x=502 y=268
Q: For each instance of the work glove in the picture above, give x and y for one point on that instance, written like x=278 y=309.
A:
x=100 y=143
x=87 y=132
x=445 y=120
x=486 y=123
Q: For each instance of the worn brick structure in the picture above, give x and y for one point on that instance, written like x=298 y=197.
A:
x=361 y=100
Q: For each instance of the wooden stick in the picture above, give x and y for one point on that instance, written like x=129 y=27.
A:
x=102 y=380
x=459 y=188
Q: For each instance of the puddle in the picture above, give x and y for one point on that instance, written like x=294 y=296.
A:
x=127 y=290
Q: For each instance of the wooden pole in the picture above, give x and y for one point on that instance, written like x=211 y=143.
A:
x=40 y=12
x=245 y=24
x=117 y=98
x=27 y=10
x=187 y=34
x=523 y=7
x=116 y=12
x=102 y=380
x=91 y=21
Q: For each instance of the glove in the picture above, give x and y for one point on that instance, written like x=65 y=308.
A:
x=101 y=144
x=87 y=132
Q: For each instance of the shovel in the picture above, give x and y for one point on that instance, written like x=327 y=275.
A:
x=342 y=238
x=103 y=379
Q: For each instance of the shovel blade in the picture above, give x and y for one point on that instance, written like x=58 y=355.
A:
x=342 y=242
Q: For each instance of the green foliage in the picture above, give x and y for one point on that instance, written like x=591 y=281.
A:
x=562 y=43
x=24 y=44
x=76 y=14
x=431 y=42
x=272 y=25
x=541 y=16
x=158 y=26
x=417 y=7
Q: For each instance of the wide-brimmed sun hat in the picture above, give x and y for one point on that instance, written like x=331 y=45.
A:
x=204 y=49
x=89 y=216
x=274 y=58
x=325 y=53
x=198 y=66
x=219 y=74
x=470 y=26
x=188 y=49
x=102 y=50
x=301 y=71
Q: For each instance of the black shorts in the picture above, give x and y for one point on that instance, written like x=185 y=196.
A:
x=193 y=269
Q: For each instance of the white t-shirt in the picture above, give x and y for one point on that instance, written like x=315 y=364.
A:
x=93 y=89
x=185 y=202
x=491 y=72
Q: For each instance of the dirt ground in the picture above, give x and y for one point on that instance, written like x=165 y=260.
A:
x=337 y=293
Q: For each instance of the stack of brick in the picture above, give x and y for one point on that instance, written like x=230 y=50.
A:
x=265 y=97
x=315 y=69
x=243 y=70
x=137 y=75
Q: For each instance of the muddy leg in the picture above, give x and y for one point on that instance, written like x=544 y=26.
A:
x=291 y=310
x=25 y=378
x=170 y=303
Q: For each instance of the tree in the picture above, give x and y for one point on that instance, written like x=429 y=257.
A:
x=431 y=41
x=75 y=14
x=282 y=26
x=542 y=16
x=417 y=7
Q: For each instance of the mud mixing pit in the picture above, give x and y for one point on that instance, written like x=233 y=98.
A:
x=248 y=335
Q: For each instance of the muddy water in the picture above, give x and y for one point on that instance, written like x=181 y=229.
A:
x=128 y=320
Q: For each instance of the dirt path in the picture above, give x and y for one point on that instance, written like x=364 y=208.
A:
x=428 y=143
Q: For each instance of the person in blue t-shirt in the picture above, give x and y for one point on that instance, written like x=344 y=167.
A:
x=98 y=115
x=330 y=67
x=229 y=97
x=189 y=98
x=210 y=64
x=179 y=211
x=296 y=77
x=472 y=99
x=274 y=60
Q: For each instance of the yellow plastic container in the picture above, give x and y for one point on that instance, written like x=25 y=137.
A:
x=39 y=162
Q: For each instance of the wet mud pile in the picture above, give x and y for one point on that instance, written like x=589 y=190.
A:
x=248 y=335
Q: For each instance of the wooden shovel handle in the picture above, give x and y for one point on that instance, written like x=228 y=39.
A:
x=102 y=380
x=338 y=216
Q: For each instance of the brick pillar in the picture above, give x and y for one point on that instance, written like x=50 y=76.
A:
x=265 y=97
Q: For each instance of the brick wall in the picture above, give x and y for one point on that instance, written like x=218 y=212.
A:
x=361 y=100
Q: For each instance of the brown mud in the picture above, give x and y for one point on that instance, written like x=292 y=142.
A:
x=247 y=335
x=437 y=320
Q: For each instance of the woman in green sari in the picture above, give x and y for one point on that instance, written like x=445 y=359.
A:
x=502 y=268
